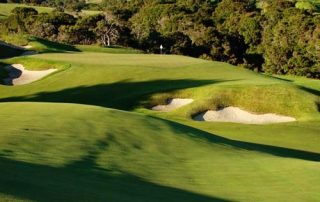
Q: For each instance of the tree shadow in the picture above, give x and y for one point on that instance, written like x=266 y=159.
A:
x=278 y=78
x=83 y=180
x=12 y=73
x=310 y=90
x=124 y=95
x=267 y=149
x=54 y=47
x=8 y=52
x=3 y=73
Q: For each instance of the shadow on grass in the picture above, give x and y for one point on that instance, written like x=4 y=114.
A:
x=54 y=47
x=123 y=95
x=278 y=78
x=8 y=52
x=310 y=90
x=45 y=183
x=3 y=73
x=83 y=180
x=267 y=149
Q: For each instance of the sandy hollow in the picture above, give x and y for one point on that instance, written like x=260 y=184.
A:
x=18 y=75
x=172 y=104
x=237 y=115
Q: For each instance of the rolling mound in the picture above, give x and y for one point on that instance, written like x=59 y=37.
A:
x=51 y=149
x=88 y=154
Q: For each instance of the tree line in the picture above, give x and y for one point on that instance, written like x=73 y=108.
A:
x=278 y=37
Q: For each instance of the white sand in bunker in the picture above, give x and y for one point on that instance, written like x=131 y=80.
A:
x=18 y=75
x=172 y=104
x=27 y=47
x=237 y=115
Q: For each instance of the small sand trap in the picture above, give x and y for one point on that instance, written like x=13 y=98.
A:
x=172 y=104
x=18 y=75
x=27 y=47
x=237 y=115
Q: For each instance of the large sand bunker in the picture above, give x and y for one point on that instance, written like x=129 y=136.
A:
x=18 y=75
x=172 y=104
x=237 y=115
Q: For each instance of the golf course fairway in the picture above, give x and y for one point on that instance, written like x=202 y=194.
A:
x=87 y=132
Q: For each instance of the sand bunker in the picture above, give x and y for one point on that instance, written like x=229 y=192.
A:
x=18 y=75
x=237 y=115
x=27 y=47
x=28 y=52
x=172 y=104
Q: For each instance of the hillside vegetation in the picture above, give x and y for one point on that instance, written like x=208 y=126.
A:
x=276 y=37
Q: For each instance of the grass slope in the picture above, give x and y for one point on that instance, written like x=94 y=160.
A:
x=124 y=79
x=99 y=154
x=87 y=155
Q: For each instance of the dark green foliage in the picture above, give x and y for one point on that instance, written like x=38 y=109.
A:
x=62 y=27
x=278 y=37
x=290 y=44
x=180 y=44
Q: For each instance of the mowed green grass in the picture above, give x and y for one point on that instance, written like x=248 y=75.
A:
x=137 y=81
x=63 y=152
x=94 y=153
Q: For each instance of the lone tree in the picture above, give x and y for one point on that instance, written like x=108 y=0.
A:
x=108 y=30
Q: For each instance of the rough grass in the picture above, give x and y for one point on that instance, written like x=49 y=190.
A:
x=6 y=8
x=16 y=39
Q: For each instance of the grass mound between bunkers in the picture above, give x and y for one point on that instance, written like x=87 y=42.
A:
x=52 y=150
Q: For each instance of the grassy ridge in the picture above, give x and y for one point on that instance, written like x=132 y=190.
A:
x=129 y=79
x=92 y=153
x=133 y=82
x=99 y=157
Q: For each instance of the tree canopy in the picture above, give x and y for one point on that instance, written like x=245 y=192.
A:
x=279 y=37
